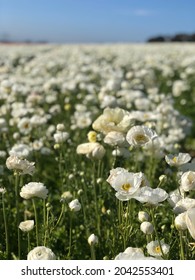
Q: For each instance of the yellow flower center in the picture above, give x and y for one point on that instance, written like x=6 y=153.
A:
x=157 y=249
x=126 y=187
x=175 y=159
x=141 y=138
x=92 y=135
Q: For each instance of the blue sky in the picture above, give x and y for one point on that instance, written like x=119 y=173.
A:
x=88 y=21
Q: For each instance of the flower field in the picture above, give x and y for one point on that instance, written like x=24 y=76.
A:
x=97 y=152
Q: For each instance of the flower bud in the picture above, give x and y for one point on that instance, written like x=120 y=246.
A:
x=180 y=222
x=93 y=239
x=143 y=216
x=75 y=205
x=147 y=227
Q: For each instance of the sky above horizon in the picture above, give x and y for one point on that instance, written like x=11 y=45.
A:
x=94 y=21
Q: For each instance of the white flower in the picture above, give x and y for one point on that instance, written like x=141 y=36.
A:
x=188 y=181
x=177 y=160
x=66 y=196
x=34 y=189
x=41 y=253
x=92 y=239
x=60 y=127
x=131 y=253
x=143 y=216
x=75 y=205
x=151 y=196
x=140 y=135
x=92 y=150
x=61 y=137
x=115 y=138
x=154 y=248
x=25 y=126
x=180 y=221
x=174 y=197
x=26 y=225
x=115 y=119
x=147 y=227
x=183 y=205
x=2 y=190
x=125 y=183
x=190 y=221
x=20 y=150
x=23 y=166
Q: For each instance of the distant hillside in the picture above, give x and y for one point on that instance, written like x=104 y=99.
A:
x=181 y=37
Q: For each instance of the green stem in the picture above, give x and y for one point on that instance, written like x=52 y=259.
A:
x=70 y=236
x=95 y=198
x=17 y=212
x=28 y=236
x=93 y=257
x=156 y=232
x=6 y=227
x=36 y=221
x=61 y=214
x=181 y=246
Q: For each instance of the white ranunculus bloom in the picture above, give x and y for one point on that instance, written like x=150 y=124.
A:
x=188 y=181
x=177 y=160
x=125 y=183
x=61 y=137
x=183 y=205
x=34 y=189
x=154 y=249
x=131 y=253
x=41 y=253
x=115 y=138
x=23 y=166
x=140 y=135
x=151 y=196
x=190 y=221
x=174 y=197
x=27 y=225
x=92 y=239
x=75 y=205
x=113 y=119
x=92 y=150
x=180 y=221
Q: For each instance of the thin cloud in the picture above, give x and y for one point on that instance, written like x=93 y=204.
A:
x=143 y=12
x=137 y=12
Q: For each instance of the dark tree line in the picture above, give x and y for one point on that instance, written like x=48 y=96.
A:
x=182 y=37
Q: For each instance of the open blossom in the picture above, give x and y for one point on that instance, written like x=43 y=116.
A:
x=27 y=225
x=113 y=119
x=22 y=166
x=190 y=221
x=115 y=138
x=92 y=150
x=188 y=181
x=125 y=183
x=34 y=189
x=177 y=160
x=131 y=253
x=154 y=248
x=41 y=253
x=140 y=135
x=151 y=196
x=183 y=205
